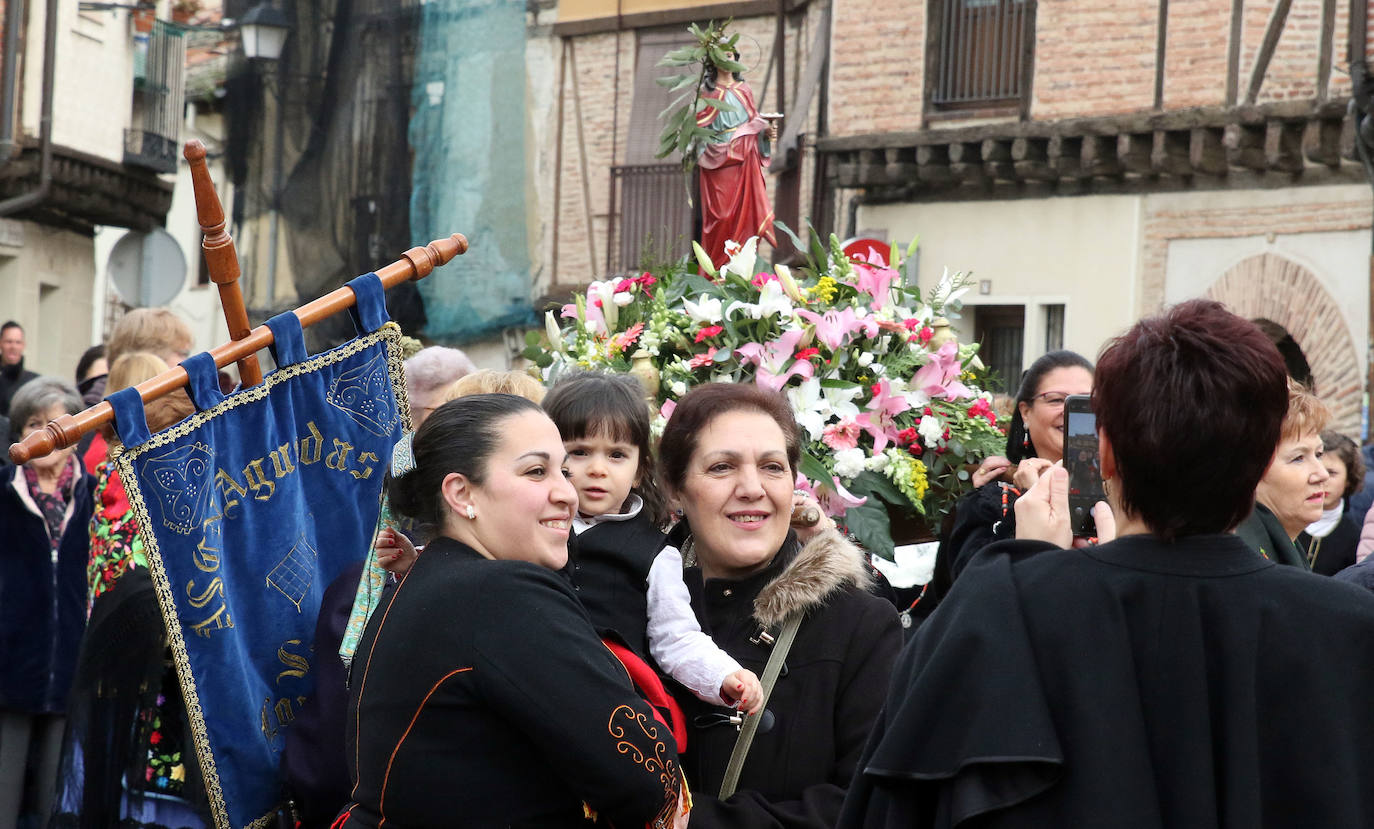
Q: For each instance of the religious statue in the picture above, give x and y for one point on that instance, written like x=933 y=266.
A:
x=734 y=196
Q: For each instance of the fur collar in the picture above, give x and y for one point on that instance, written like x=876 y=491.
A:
x=827 y=563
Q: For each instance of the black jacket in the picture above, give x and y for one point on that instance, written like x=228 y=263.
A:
x=481 y=696
x=1137 y=685
x=1264 y=534
x=11 y=378
x=1333 y=552
x=825 y=700
x=42 y=597
x=608 y=565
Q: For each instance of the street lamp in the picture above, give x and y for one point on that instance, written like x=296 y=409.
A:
x=263 y=31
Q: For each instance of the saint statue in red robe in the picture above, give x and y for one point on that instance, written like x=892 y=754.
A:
x=734 y=196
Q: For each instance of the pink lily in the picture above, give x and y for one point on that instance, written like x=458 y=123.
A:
x=834 y=499
x=940 y=376
x=876 y=282
x=772 y=357
x=878 y=421
x=833 y=326
x=667 y=409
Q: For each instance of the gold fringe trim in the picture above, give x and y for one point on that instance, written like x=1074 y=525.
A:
x=390 y=334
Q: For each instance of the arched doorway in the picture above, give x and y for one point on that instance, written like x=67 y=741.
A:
x=1293 y=358
x=1293 y=307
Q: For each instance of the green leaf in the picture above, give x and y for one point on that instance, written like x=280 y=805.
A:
x=532 y=337
x=869 y=524
x=872 y=483
x=814 y=469
x=687 y=54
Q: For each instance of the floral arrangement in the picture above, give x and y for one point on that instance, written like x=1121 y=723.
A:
x=887 y=399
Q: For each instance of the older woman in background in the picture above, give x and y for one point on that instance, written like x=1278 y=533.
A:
x=729 y=458
x=1293 y=490
x=44 y=507
x=1171 y=677
x=1328 y=544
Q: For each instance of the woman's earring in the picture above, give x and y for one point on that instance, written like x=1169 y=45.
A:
x=1025 y=441
x=677 y=513
x=1107 y=487
x=471 y=513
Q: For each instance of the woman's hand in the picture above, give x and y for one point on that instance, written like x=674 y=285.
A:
x=1028 y=472
x=1106 y=526
x=1042 y=512
x=395 y=553
x=808 y=519
x=990 y=470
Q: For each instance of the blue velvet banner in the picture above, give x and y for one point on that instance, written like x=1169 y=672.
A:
x=250 y=508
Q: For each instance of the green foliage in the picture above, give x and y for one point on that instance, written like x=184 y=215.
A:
x=681 y=134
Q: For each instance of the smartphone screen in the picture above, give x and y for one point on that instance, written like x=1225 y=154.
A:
x=1082 y=462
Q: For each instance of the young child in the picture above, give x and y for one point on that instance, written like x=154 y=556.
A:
x=629 y=583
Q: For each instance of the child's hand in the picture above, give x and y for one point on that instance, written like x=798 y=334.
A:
x=743 y=691
x=395 y=553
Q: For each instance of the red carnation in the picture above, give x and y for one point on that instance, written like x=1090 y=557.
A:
x=708 y=331
x=807 y=353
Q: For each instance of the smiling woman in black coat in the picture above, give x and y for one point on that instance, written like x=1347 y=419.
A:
x=480 y=695
x=729 y=455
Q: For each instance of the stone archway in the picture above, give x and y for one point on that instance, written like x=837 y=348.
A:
x=1270 y=287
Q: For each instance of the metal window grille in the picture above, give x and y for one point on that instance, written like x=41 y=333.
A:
x=981 y=49
x=1001 y=330
x=655 y=220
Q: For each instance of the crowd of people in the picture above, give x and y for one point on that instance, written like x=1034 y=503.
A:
x=565 y=621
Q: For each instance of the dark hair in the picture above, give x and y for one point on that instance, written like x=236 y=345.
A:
x=458 y=437
x=1195 y=382
x=1337 y=444
x=587 y=403
x=705 y=403
x=1019 y=444
x=712 y=71
x=88 y=358
x=11 y=324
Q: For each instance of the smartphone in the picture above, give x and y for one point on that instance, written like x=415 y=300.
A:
x=1082 y=462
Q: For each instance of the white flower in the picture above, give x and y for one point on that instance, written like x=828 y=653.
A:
x=623 y=298
x=879 y=369
x=865 y=357
x=839 y=402
x=552 y=330
x=850 y=462
x=878 y=463
x=809 y=407
x=931 y=429
x=678 y=388
x=742 y=260
x=772 y=300
x=706 y=309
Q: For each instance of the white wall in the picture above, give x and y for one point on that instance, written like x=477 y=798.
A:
x=45 y=286
x=1080 y=251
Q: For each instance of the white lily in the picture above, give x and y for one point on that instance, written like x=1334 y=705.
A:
x=810 y=407
x=772 y=300
x=706 y=309
x=950 y=288
x=840 y=401
x=789 y=285
x=742 y=261
x=554 y=333
x=605 y=291
x=703 y=260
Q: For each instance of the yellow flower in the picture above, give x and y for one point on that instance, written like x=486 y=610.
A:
x=825 y=289
x=919 y=483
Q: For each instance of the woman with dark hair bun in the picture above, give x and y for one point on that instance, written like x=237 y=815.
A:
x=1169 y=677
x=480 y=695
x=1035 y=441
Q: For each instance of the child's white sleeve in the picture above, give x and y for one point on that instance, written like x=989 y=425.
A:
x=675 y=639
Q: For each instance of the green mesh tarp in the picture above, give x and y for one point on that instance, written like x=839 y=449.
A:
x=469 y=170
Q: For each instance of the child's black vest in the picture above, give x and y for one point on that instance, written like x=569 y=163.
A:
x=609 y=568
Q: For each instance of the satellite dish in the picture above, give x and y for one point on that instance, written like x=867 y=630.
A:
x=148 y=269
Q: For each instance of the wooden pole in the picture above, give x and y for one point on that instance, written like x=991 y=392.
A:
x=66 y=430
x=221 y=258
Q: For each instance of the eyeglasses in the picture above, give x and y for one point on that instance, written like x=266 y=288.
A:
x=1051 y=399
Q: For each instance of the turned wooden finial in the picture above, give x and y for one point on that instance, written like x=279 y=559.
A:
x=220 y=257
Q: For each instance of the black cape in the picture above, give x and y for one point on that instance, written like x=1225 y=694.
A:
x=1136 y=684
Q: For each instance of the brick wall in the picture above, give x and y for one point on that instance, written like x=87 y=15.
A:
x=1093 y=57
x=1277 y=289
x=877 y=66
x=1195 y=53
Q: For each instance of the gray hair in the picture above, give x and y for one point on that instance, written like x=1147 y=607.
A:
x=38 y=395
x=435 y=368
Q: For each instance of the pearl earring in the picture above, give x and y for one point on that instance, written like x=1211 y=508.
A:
x=472 y=513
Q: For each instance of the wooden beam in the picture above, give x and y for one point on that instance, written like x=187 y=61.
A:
x=900 y=164
x=871 y=171
x=1133 y=150
x=670 y=17
x=1245 y=147
x=1099 y=156
x=1065 y=155
x=932 y=164
x=1207 y=151
x=1272 y=32
x=1171 y=151
x=997 y=160
x=966 y=163
x=1324 y=49
x=1030 y=157
x=1161 y=43
x=1321 y=142
x=1283 y=146
x=1233 y=52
